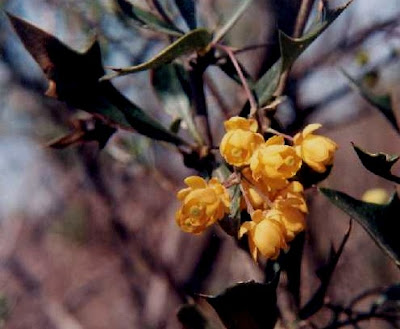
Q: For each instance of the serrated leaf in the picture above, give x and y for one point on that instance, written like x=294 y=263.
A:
x=246 y=305
x=187 y=8
x=85 y=130
x=382 y=102
x=146 y=19
x=380 y=221
x=291 y=49
x=168 y=82
x=194 y=40
x=378 y=163
x=74 y=78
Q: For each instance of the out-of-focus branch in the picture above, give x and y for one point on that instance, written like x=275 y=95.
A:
x=345 y=45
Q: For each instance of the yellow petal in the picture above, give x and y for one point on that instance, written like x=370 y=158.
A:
x=275 y=140
x=195 y=182
x=310 y=128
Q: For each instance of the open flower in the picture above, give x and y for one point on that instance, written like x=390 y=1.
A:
x=293 y=196
x=202 y=204
x=291 y=217
x=265 y=235
x=240 y=140
x=317 y=151
x=274 y=161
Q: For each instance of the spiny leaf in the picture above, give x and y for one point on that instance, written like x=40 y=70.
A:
x=74 y=78
x=146 y=19
x=378 y=163
x=169 y=82
x=246 y=305
x=85 y=130
x=382 y=102
x=187 y=9
x=291 y=49
x=380 y=221
x=194 y=40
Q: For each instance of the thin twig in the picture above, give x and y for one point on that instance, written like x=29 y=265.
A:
x=249 y=94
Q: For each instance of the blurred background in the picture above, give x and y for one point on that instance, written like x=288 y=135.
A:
x=63 y=263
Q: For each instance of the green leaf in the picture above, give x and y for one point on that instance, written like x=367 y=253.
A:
x=378 y=163
x=291 y=49
x=169 y=82
x=380 y=221
x=187 y=8
x=191 y=317
x=247 y=305
x=74 y=78
x=382 y=102
x=230 y=223
x=146 y=19
x=194 y=40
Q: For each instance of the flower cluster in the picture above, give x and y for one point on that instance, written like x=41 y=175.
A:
x=266 y=171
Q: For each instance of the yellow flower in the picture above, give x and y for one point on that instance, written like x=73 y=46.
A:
x=376 y=195
x=202 y=204
x=240 y=140
x=317 y=151
x=258 y=194
x=273 y=161
x=291 y=217
x=293 y=196
x=265 y=235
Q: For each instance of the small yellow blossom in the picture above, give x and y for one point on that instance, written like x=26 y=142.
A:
x=376 y=195
x=265 y=235
x=240 y=141
x=292 y=195
x=291 y=217
x=202 y=204
x=273 y=161
x=317 y=151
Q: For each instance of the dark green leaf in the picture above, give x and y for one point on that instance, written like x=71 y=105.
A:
x=291 y=49
x=382 y=102
x=380 y=221
x=247 y=305
x=194 y=40
x=187 y=9
x=85 y=130
x=169 y=83
x=378 y=163
x=74 y=78
x=191 y=317
x=146 y=19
